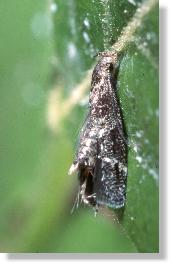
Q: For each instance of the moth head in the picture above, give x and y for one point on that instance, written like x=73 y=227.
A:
x=107 y=60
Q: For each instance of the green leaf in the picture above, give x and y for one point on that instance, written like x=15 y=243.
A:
x=97 y=25
x=89 y=234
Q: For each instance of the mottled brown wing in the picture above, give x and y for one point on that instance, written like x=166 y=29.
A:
x=111 y=170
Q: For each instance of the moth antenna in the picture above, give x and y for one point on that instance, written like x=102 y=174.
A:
x=76 y=202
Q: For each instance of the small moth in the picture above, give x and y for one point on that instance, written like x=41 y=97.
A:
x=101 y=158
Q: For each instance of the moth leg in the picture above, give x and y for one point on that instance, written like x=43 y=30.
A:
x=87 y=186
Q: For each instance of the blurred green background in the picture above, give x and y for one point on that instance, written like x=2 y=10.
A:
x=46 y=49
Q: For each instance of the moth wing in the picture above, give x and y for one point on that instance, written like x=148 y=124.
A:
x=110 y=172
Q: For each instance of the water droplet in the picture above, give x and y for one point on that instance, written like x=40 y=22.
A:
x=146 y=141
x=86 y=23
x=148 y=35
x=153 y=173
x=132 y=2
x=84 y=101
x=139 y=134
x=157 y=112
x=86 y=37
x=139 y=159
x=72 y=51
x=135 y=148
x=53 y=7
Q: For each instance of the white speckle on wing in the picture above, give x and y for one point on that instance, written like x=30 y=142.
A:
x=123 y=168
x=84 y=150
x=102 y=147
x=91 y=160
x=108 y=160
x=101 y=132
x=88 y=142
x=92 y=133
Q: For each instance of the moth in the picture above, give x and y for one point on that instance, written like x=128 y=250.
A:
x=101 y=157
